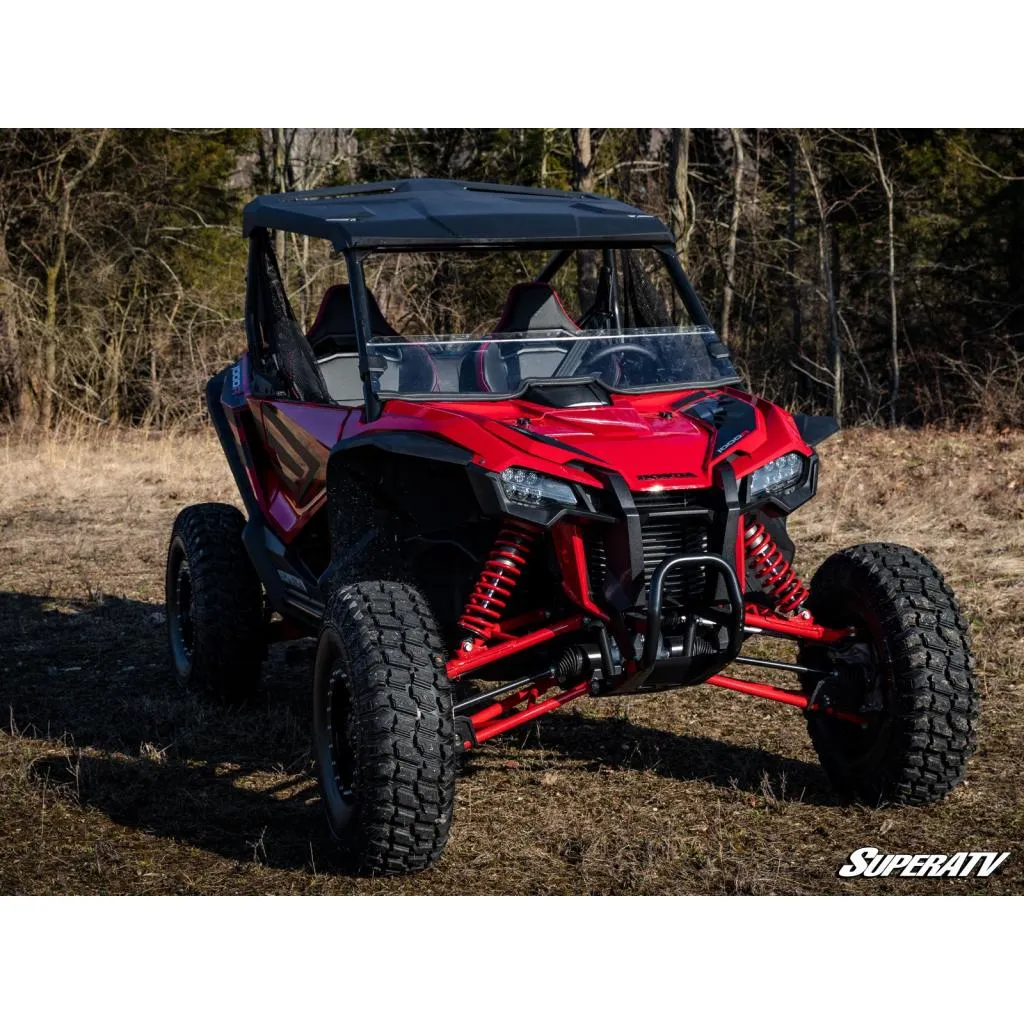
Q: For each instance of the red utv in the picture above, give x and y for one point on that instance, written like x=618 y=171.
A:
x=484 y=524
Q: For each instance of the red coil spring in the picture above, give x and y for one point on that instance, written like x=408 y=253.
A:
x=498 y=578
x=769 y=566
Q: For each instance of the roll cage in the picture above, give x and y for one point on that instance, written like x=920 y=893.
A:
x=429 y=216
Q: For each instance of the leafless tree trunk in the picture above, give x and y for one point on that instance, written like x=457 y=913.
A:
x=894 y=354
x=728 y=289
x=61 y=191
x=680 y=199
x=278 y=184
x=583 y=173
x=14 y=382
x=305 y=158
x=791 y=253
x=826 y=249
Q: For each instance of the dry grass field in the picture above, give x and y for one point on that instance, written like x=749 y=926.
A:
x=114 y=780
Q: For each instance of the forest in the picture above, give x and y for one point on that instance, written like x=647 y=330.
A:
x=874 y=274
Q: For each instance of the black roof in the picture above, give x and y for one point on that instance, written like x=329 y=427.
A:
x=429 y=213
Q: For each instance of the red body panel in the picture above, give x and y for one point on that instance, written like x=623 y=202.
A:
x=650 y=440
x=645 y=438
x=298 y=439
x=568 y=542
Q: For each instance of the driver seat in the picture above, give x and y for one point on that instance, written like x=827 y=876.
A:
x=333 y=338
x=532 y=307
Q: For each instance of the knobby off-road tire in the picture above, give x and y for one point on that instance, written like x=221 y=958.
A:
x=916 y=750
x=214 y=606
x=383 y=728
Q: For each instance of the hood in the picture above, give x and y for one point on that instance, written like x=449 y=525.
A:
x=652 y=441
x=659 y=447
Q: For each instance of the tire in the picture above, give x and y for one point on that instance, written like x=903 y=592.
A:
x=916 y=747
x=383 y=728
x=215 y=619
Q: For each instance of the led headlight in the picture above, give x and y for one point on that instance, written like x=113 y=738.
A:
x=778 y=474
x=526 y=487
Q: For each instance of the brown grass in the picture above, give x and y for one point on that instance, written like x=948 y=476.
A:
x=114 y=780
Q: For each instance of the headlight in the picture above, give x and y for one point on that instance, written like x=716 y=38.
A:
x=526 y=487
x=777 y=474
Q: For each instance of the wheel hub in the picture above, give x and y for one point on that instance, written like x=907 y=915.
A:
x=341 y=739
x=183 y=608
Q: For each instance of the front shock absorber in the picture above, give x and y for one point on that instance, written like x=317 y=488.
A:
x=498 y=578
x=767 y=564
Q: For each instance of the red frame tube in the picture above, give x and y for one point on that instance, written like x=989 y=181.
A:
x=468 y=661
x=495 y=719
x=799 y=628
x=506 y=626
x=776 y=693
x=510 y=700
x=500 y=716
x=534 y=710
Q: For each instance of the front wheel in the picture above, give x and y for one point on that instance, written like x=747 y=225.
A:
x=912 y=662
x=383 y=728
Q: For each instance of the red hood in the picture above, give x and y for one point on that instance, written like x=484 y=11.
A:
x=662 y=440
x=647 y=448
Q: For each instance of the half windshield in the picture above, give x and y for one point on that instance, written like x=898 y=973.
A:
x=627 y=360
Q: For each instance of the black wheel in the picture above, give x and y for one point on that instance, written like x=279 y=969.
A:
x=383 y=728
x=215 y=622
x=911 y=666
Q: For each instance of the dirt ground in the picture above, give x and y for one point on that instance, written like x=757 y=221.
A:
x=115 y=780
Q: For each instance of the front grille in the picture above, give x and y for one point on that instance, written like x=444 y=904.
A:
x=671 y=523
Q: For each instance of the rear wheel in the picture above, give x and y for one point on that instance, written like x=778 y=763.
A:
x=214 y=603
x=913 y=671
x=383 y=728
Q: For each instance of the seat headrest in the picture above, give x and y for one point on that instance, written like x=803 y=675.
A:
x=534 y=306
x=335 y=321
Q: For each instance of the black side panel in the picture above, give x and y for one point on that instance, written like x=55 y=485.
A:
x=408 y=442
x=237 y=457
x=624 y=588
x=266 y=552
x=727 y=520
x=815 y=429
x=731 y=418
x=382 y=489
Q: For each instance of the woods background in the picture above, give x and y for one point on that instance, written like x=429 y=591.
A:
x=874 y=274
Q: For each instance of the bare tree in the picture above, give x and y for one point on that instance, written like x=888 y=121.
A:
x=826 y=251
x=894 y=351
x=60 y=176
x=297 y=159
x=680 y=199
x=545 y=156
x=728 y=286
x=121 y=261
x=583 y=175
x=792 y=248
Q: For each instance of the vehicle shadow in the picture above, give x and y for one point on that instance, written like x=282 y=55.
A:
x=91 y=681
x=598 y=743
x=92 y=678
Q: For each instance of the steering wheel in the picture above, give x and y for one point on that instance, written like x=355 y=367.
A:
x=618 y=349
